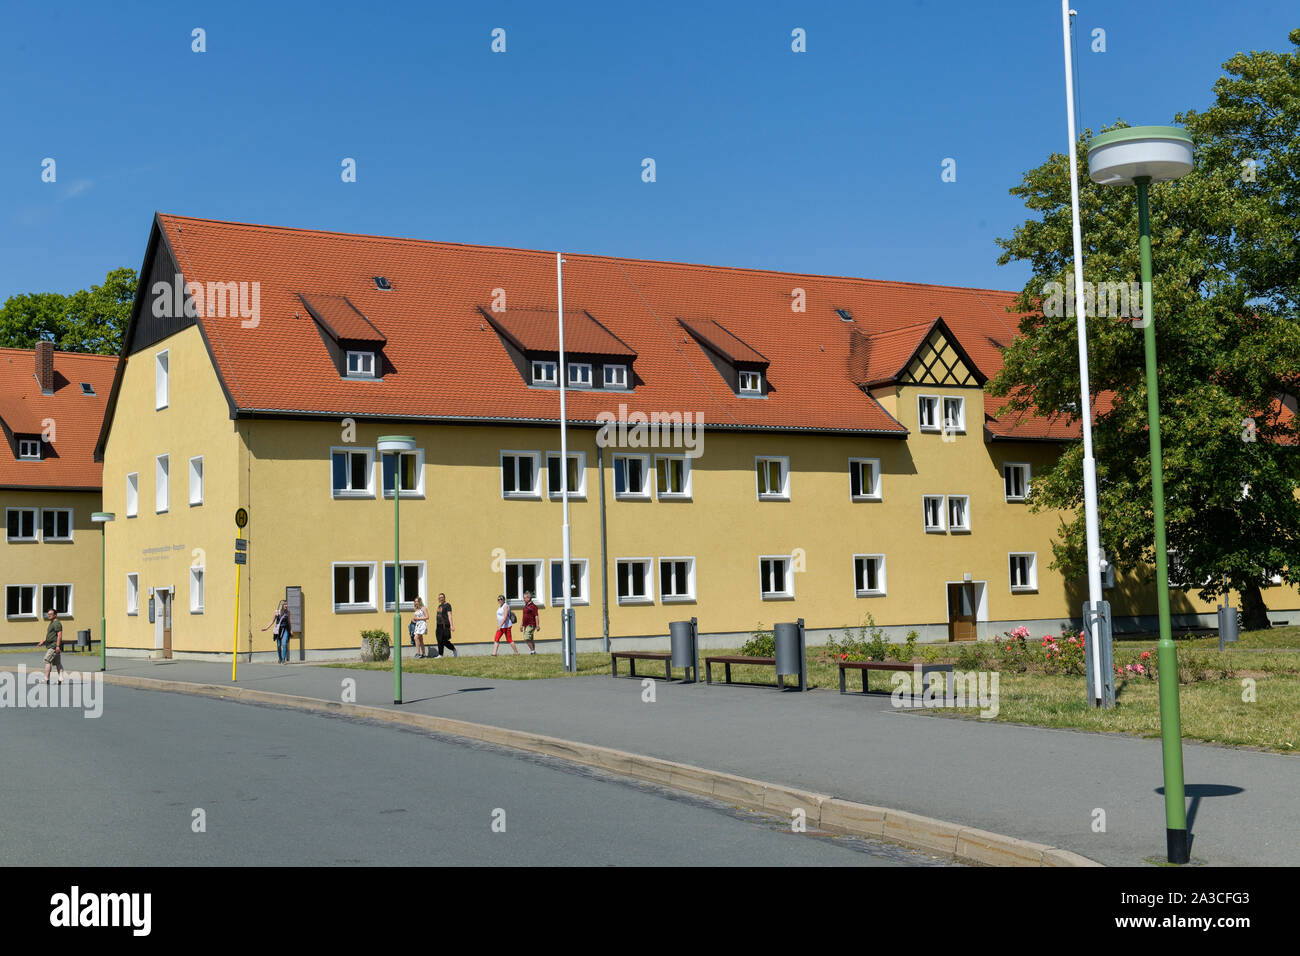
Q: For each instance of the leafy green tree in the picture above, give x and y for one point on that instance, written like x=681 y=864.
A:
x=1226 y=291
x=89 y=320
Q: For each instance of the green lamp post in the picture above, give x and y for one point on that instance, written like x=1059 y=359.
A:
x=102 y=518
x=396 y=445
x=1140 y=156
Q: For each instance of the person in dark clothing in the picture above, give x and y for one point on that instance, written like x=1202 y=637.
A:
x=443 y=626
x=53 y=642
x=528 y=622
x=282 y=629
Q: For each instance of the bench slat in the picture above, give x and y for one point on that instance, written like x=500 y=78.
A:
x=741 y=660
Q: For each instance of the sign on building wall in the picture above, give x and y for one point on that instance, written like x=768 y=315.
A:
x=293 y=595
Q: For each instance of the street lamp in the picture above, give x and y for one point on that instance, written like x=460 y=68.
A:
x=102 y=518
x=396 y=444
x=1141 y=155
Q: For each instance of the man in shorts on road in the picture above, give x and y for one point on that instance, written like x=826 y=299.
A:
x=528 y=622
x=53 y=641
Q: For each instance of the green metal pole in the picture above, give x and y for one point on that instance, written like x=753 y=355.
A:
x=1171 y=737
x=103 y=631
x=397 y=579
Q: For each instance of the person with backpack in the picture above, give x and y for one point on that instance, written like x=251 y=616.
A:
x=281 y=627
x=505 y=617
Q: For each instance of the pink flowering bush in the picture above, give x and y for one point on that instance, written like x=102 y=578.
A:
x=1066 y=654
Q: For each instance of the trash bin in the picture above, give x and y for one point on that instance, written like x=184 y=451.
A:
x=1227 y=625
x=83 y=639
x=684 y=641
x=789 y=640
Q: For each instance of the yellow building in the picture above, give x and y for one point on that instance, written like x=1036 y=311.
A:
x=747 y=447
x=51 y=408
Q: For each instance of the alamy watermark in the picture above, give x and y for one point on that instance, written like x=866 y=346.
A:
x=78 y=689
x=217 y=299
x=961 y=689
x=1109 y=300
x=684 y=430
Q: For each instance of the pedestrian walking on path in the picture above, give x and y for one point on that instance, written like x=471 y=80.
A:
x=505 y=617
x=53 y=641
x=443 y=626
x=528 y=622
x=421 y=622
x=281 y=630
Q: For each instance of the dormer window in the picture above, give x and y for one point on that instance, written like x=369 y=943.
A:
x=616 y=376
x=544 y=373
x=361 y=364
x=751 y=383
x=580 y=374
x=29 y=449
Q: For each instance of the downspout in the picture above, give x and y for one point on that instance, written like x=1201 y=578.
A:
x=604 y=562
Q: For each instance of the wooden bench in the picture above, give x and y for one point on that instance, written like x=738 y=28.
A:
x=726 y=662
x=865 y=666
x=634 y=656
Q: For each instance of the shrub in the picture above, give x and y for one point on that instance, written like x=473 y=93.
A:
x=378 y=644
x=973 y=656
x=761 y=644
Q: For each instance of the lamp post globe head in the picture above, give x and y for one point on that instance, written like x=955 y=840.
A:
x=1122 y=156
x=102 y=517
x=396 y=443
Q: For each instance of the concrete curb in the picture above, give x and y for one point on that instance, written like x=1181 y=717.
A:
x=967 y=844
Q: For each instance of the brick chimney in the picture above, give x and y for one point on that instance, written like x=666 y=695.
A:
x=45 y=367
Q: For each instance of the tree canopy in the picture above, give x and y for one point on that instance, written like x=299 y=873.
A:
x=89 y=320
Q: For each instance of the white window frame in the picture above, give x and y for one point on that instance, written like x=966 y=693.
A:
x=36 y=525
x=621 y=378
x=541 y=582
x=757 y=379
x=367 y=364
x=584 y=597
x=882 y=588
x=581 y=490
x=1032 y=569
x=587 y=381
x=162 y=476
x=876 y=494
x=35 y=613
x=535 y=493
x=29 y=449
x=418 y=490
x=198 y=578
x=369 y=490
x=196 y=480
x=649 y=596
x=1025 y=471
x=375 y=584
x=963 y=528
x=545 y=365
x=937 y=420
x=689 y=596
x=784 y=493
x=769 y=595
x=422 y=587
x=71 y=610
x=942 y=526
x=133 y=593
x=162 y=380
x=957 y=426
x=685 y=493
x=647 y=479
x=68 y=536
x=133 y=494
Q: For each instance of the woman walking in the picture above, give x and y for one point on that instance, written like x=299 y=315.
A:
x=505 y=617
x=280 y=628
x=421 y=620
x=442 y=627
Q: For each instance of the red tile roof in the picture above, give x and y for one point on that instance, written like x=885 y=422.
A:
x=729 y=346
x=341 y=318
x=537 y=330
x=447 y=362
x=880 y=358
x=76 y=418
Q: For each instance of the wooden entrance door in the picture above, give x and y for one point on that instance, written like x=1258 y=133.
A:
x=165 y=600
x=961 y=612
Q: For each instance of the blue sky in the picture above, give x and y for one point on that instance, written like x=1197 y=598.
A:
x=827 y=161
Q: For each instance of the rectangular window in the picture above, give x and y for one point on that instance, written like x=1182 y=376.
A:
x=577 y=582
x=161 y=365
x=927 y=412
x=413 y=577
x=580 y=374
x=932 y=506
x=630 y=476
x=634 y=581
x=352 y=472
x=577 y=476
x=774 y=577
x=162 y=484
x=773 y=478
x=196 y=480
x=29 y=449
x=1015 y=481
x=616 y=376
x=523 y=576
x=751 y=383
x=954 y=415
x=20 y=524
x=868 y=575
x=519 y=474
x=56 y=524
x=133 y=593
x=57 y=597
x=20 y=600
x=196 y=590
x=959 y=512
x=673 y=476
x=412 y=473
x=864 y=479
x=544 y=373
x=1024 y=572
x=132 y=494
x=361 y=364
x=676 y=579
x=354 y=587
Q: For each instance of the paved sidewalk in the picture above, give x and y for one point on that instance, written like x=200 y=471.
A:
x=1033 y=783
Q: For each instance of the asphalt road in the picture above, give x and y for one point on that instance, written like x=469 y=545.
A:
x=280 y=787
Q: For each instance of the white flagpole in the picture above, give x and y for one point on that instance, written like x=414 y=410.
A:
x=570 y=661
